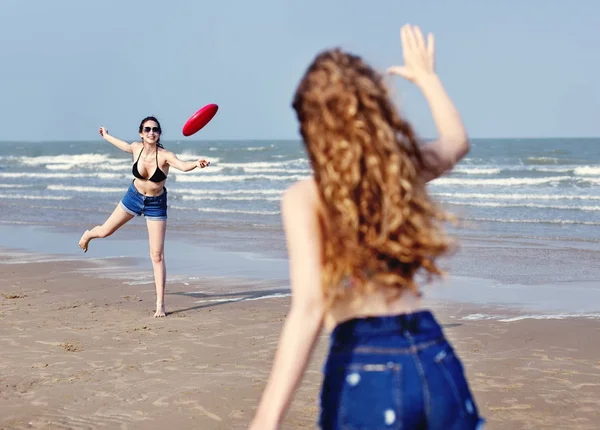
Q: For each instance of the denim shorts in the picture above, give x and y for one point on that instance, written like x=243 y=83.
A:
x=395 y=372
x=152 y=207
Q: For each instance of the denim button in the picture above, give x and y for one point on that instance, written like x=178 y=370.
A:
x=390 y=417
x=440 y=356
x=353 y=379
x=469 y=406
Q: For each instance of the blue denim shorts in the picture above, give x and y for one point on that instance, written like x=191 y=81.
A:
x=395 y=372
x=152 y=207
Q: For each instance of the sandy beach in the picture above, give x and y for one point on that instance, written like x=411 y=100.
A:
x=81 y=351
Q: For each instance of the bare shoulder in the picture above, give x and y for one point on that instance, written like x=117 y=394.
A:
x=164 y=152
x=135 y=147
x=301 y=195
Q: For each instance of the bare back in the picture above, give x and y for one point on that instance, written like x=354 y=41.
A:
x=305 y=192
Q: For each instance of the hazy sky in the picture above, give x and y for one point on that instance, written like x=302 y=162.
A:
x=516 y=68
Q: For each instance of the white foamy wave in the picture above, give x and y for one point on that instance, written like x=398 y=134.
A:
x=587 y=171
x=228 y=192
x=543 y=160
x=481 y=196
x=500 y=181
x=60 y=175
x=523 y=205
x=560 y=316
x=549 y=169
x=535 y=221
x=192 y=156
x=244 y=299
x=232 y=198
x=264 y=164
x=478 y=170
x=60 y=166
x=506 y=318
x=227 y=211
x=238 y=178
x=14 y=186
x=115 y=167
x=86 y=189
x=28 y=197
x=78 y=159
x=268 y=170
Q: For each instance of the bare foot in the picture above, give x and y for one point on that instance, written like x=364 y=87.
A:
x=160 y=311
x=83 y=242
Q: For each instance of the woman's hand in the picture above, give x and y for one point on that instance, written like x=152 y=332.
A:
x=202 y=163
x=103 y=132
x=419 y=56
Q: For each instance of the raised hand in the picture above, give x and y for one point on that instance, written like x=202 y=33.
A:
x=419 y=55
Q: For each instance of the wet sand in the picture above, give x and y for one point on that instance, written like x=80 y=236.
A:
x=82 y=351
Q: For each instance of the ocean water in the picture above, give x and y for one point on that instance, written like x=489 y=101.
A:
x=529 y=211
x=525 y=188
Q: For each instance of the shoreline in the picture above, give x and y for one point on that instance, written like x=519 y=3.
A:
x=515 y=277
x=81 y=350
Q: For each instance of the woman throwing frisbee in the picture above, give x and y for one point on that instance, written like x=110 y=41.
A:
x=147 y=195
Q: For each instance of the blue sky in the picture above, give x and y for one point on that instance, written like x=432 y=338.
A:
x=514 y=68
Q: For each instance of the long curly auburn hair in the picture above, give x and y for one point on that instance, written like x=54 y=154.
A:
x=378 y=223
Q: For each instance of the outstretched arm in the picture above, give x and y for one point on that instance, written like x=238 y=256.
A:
x=419 y=67
x=185 y=166
x=304 y=321
x=121 y=144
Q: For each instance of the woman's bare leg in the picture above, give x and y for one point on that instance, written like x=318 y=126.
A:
x=156 y=236
x=112 y=224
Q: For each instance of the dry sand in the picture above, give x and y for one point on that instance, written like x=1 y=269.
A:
x=82 y=352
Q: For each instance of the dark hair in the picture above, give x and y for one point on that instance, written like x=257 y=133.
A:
x=152 y=118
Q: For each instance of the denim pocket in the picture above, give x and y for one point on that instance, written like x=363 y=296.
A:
x=371 y=397
x=454 y=373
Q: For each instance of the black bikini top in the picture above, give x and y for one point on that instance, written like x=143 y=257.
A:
x=157 y=176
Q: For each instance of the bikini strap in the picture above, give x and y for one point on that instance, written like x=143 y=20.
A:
x=140 y=155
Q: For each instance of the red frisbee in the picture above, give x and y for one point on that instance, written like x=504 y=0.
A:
x=199 y=119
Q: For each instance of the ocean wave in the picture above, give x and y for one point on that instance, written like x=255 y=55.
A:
x=61 y=175
x=79 y=159
x=237 y=178
x=276 y=170
x=517 y=196
x=227 y=211
x=122 y=167
x=500 y=181
x=231 y=198
x=264 y=164
x=553 y=316
x=587 y=171
x=535 y=221
x=478 y=170
x=78 y=189
x=542 y=160
x=230 y=192
x=15 y=186
x=522 y=205
x=30 y=197
x=496 y=169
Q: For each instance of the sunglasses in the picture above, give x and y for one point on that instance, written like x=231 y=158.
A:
x=149 y=129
